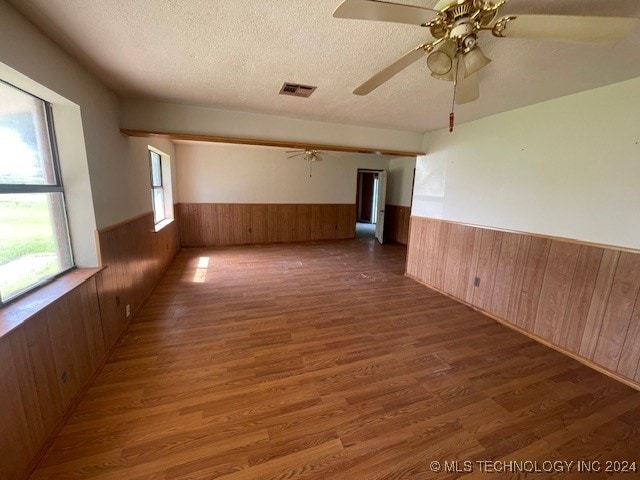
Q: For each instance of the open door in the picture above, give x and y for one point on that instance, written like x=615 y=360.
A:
x=380 y=203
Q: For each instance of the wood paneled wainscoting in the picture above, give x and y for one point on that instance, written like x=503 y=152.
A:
x=136 y=257
x=54 y=340
x=581 y=299
x=396 y=223
x=46 y=359
x=215 y=224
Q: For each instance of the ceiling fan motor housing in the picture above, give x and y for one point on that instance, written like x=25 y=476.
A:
x=473 y=14
x=457 y=26
x=462 y=28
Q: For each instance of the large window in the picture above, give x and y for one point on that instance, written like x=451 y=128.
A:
x=34 y=237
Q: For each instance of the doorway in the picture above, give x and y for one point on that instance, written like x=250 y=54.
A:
x=370 y=198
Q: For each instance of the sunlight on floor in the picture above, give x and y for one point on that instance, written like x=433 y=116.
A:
x=201 y=271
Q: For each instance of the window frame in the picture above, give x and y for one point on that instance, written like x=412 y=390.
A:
x=154 y=187
x=57 y=187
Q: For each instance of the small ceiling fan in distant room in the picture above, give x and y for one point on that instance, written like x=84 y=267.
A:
x=454 y=55
x=310 y=156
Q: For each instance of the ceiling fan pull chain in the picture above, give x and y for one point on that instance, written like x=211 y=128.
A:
x=452 y=115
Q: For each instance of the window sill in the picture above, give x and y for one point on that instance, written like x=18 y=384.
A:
x=159 y=226
x=16 y=313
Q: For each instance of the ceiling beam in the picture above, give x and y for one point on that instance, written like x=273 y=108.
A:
x=188 y=137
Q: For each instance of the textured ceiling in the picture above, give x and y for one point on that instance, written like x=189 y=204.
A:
x=235 y=54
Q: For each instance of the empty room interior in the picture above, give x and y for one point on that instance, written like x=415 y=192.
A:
x=319 y=239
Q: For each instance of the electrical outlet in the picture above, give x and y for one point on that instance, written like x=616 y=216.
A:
x=476 y=282
x=128 y=310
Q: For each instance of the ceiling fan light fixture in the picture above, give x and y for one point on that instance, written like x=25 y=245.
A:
x=440 y=62
x=475 y=60
x=450 y=76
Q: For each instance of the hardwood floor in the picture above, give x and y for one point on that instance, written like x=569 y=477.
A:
x=323 y=361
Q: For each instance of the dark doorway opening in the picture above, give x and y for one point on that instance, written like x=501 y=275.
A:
x=366 y=203
x=367 y=196
x=366 y=187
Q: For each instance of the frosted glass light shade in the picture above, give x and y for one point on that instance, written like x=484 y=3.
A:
x=450 y=76
x=474 y=61
x=440 y=62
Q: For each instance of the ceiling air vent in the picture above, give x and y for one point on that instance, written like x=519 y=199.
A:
x=297 y=90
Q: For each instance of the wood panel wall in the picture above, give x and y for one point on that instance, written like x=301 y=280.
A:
x=582 y=299
x=214 y=224
x=396 y=223
x=48 y=360
x=136 y=257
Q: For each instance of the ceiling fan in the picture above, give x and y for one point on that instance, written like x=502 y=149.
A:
x=454 y=54
x=310 y=156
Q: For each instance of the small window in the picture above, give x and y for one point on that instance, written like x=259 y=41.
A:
x=157 y=188
x=34 y=235
x=161 y=198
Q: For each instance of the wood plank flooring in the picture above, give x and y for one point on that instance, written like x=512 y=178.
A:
x=583 y=299
x=322 y=361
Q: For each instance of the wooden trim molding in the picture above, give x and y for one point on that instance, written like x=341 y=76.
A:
x=18 y=312
x=583 y=300
x=267 y=143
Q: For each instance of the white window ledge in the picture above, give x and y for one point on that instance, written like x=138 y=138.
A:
x=160 y=225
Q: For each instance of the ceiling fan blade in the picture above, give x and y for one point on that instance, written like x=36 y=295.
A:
x=569 y=28
x=442 y=4
x=384 y=12
x=296 y=155
x=468 y=88
x=391 y=71
x=294 y=151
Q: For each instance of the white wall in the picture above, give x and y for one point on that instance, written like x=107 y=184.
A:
x=569 y=168
x=214 y=173
x=114 y=184
x=400 y=181
x=164 y=117
x=139 y=161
